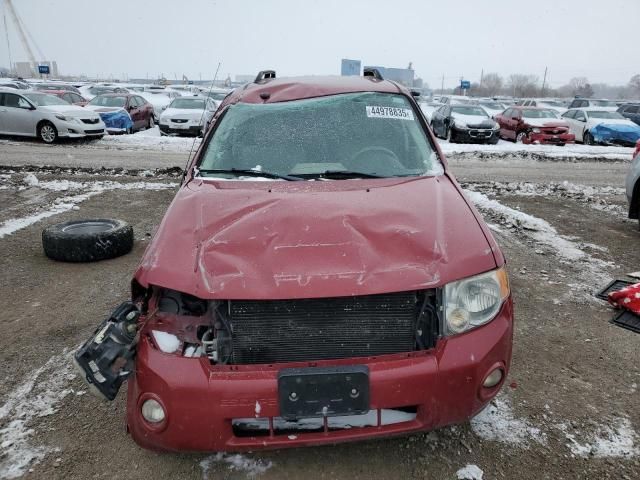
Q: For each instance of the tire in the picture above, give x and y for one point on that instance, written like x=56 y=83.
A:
x=87 y=240
x=47 y=132
x=520 y=137
x=129 y=131
x=450 y=135
x=151 y=122
x=494 y=141
x=587 y=139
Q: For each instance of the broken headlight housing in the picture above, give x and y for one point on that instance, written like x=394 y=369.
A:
x=474 y=301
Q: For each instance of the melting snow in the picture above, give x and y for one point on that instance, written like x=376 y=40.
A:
x=470 y=472
x=618 y=439
x=167 y=342
x=36 y=397
x=236 y=462
x=30 y=179
x=498 y=423
x=64 y=204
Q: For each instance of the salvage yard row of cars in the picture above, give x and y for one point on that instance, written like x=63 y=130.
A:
x=534 y=121
x=50 y=111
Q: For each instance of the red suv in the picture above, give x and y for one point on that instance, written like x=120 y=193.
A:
x=533 y=125
x=319 y=277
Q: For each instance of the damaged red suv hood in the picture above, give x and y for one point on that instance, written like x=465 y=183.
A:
x=276 y=240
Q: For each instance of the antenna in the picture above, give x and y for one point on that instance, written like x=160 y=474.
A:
x=6 y=30
x=194 y=140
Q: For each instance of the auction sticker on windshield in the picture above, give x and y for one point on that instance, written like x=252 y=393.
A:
x=389 y=112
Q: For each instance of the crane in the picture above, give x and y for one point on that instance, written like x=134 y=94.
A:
x=23 y=33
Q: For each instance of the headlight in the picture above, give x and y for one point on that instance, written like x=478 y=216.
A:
x=459 y=124
x=536 y=130
x=496 y=127
x=63 y=118
x=474 y=301
x=152 y=411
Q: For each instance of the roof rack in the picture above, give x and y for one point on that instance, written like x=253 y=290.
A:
x=265 y=75
x=372 y=72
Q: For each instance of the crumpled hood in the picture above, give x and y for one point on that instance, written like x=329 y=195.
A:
x=545 y=122
x=275 y=240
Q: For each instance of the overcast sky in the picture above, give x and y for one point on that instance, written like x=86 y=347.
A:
x=140 y=38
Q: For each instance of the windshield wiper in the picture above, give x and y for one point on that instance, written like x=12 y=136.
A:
x=344 y=174
x=250 y=172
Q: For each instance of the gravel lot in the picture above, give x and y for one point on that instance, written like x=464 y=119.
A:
x=568 y=410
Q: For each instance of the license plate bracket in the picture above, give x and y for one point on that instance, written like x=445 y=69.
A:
x=323 y=391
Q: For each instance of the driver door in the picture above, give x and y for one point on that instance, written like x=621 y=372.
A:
x=17 y=115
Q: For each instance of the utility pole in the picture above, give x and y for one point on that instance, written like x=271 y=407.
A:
x=442 y=85
x=481 y=77
x=544 y=82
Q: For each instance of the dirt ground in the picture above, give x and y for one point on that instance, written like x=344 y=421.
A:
x=568 y=410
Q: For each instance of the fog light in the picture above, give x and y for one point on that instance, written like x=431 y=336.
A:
x=493 y=379
x=152 y=411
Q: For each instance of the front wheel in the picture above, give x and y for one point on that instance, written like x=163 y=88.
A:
x=520 y=137
x=588 y=139
x=450 y=135
x=47 y=132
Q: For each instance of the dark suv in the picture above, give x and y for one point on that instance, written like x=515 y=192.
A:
x=631 y=111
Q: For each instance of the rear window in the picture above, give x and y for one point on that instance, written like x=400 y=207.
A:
x=477 y=111
x=539 y=114
x=101 y=101
x=368 y=132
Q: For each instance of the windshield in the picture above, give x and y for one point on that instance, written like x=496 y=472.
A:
x=44 y=100
x=492 y=105
x=551 y=103
x=368 y=132
x=187 y=103
x=477 y=111
x=603 y=103
x=105 y=101
x=613 y=115
x=539 y=114
x=216 y=96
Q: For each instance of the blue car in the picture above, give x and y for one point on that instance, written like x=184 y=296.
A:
x=601 y=126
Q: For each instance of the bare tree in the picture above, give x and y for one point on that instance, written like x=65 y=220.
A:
x=521 y=85
x=634 y=84
x=492 y=84
x=580 y=86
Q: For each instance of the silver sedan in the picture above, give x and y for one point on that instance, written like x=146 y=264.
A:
x=45 y=116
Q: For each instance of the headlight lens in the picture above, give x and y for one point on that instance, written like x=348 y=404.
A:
x=459 y=124
x=536 y=130
x=63 y=118
x=152 y=411
x=474 y=301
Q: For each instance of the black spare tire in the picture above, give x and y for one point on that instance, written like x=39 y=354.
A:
x=87 y=240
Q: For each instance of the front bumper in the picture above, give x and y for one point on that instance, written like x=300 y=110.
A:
x=79 y=130
x=444 y=385
x=474 y=135
x=191 y=130
x=550 y=139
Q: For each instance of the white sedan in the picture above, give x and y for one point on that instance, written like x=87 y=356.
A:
x=597 y=126
x=47 y=117
x=187 y=116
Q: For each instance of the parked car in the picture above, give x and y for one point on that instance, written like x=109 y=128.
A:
x=69 y=97
x=547 y=103
x=492 y=107
x=8 y=84
x=190 y=90
x=187 y=116
x=95 y=90
x=630 y=111
x=633 y=185
x=140 y=111
x=604 y=127
x=270 y=317
x=590 y=102
x=216 y=94
x=43 y=87
x=159 y=99
x=464 y=123
x=47 y=117
x=534 y=125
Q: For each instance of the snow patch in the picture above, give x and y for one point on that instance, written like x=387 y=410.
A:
x=498 y=423
x=37 y=397
x=252 y=467
x=64 y=204
x=470 y=472
x=30 y=179
x=617 y=439
x=167 y=342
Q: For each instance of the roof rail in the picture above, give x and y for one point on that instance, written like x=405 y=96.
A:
x=372 y=72
x=264 y=75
